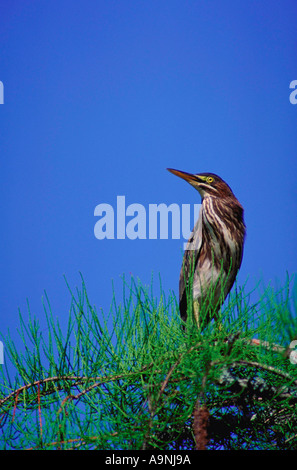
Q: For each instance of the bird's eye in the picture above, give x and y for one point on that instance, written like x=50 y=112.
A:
x=209 y=179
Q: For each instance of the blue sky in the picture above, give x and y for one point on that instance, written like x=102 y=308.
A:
x=101 y=97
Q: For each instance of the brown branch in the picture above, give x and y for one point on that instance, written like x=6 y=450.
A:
x=100 y=380
x=201 y=415
x=40 y=382
x=200 y=423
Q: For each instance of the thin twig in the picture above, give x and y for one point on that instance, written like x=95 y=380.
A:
x=15 y=406
x=39 y=412
x=258 y=365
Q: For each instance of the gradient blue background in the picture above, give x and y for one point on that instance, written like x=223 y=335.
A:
x=101 y=97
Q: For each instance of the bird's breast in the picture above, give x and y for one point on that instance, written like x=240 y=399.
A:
x=220 y=234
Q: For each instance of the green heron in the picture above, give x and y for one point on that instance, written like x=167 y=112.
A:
x=214 y=250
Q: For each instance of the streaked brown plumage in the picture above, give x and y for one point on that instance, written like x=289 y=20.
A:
x=214 y=250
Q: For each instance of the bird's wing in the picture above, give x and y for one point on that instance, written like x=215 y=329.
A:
x=190 y=259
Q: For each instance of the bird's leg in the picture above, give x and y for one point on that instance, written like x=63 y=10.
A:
x=196 y=308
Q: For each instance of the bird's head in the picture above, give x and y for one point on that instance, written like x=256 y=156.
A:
x=208 y=184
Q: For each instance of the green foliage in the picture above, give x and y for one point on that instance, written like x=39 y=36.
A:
x=134 y=379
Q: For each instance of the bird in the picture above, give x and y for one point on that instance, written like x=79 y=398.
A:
x=214 y=251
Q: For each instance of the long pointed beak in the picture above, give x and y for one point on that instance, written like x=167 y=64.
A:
x=184 y=175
